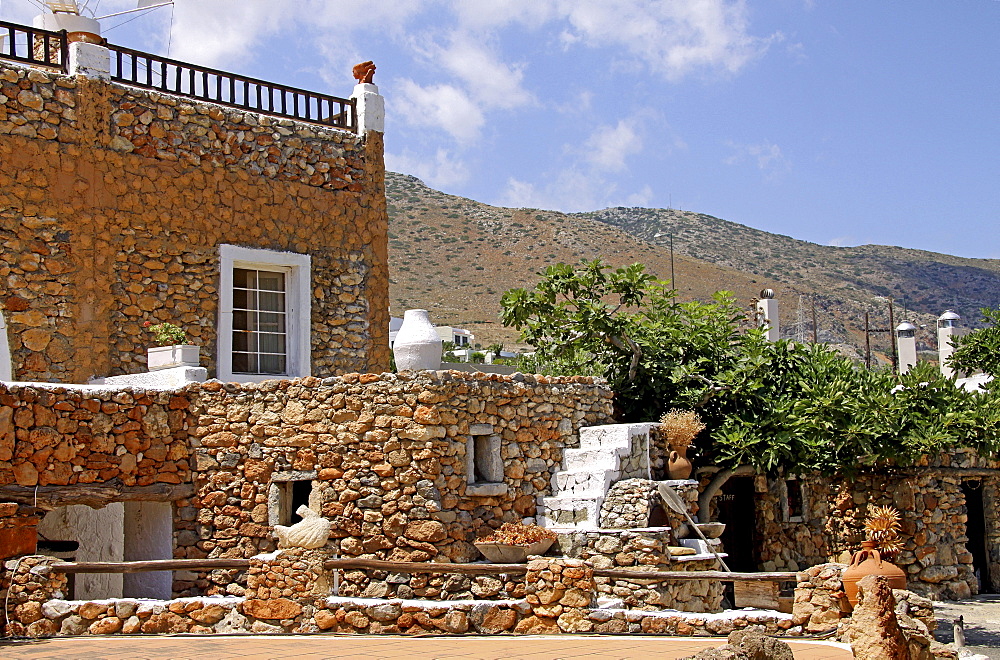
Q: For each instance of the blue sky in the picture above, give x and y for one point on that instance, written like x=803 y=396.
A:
x=840 y=122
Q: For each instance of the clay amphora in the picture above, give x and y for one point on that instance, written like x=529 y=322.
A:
x=678 y=465
x=868 y=561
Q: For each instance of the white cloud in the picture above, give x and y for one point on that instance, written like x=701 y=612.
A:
x=766 y=156
x=492 y=82
x=609 y=146
x=674 y=39
x=445 y=107
x=571 y=190
x=223 y=32
x=445 y=169
x=842 y=241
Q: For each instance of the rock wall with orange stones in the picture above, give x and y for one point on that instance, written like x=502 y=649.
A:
x=114 y=200
x=55 y=436
x=934 y=512
x=386 y=459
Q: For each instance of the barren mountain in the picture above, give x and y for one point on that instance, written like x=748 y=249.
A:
x=456 y=257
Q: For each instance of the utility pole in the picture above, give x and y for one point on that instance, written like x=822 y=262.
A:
x=673 y=282
x=892 y=339
x=868 y=342
x=814 y=318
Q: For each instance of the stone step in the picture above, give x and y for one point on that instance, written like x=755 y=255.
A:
x=593 y=459
x=610 y=435
x=580 y=513
x=582 y=483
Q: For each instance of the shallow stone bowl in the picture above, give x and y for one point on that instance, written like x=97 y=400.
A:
x=505 y=553
x=712 y=530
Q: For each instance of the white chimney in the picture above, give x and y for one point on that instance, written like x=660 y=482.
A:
x=767 y=314
x=906 y=344
x=947 y=330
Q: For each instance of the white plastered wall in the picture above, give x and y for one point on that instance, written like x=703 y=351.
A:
x=100 y=533
x=148 y=535
x=6 y=368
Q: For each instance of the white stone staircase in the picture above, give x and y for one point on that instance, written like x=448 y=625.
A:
x=606 y=454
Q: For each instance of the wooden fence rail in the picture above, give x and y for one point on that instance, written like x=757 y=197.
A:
x=151 y=565
x=414 y=567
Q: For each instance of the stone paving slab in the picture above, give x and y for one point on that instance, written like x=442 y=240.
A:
x=358 y=647
x=982 y=623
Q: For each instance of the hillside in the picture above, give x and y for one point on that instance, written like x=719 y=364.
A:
x=456 y=257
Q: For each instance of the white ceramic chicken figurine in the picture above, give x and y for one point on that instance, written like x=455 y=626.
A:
x=311 y=532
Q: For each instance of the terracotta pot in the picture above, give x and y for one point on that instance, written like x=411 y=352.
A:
x=868 y=561
x=678 y=465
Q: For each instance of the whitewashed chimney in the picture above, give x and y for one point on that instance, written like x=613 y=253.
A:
x=947 y=331
x=767 y=313
x=906 y=344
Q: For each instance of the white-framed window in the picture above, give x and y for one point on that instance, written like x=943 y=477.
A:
x=264 y=314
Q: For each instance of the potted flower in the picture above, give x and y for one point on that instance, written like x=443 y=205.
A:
x=514 y=542
x=881 y=545
x=680 y=427
x=171 y=349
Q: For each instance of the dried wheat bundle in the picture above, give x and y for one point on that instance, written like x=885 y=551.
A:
x=883 y=526
x=680 y=427
x=519 y=534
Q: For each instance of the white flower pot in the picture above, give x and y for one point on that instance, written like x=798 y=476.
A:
x=417 y=345
x=178 y=355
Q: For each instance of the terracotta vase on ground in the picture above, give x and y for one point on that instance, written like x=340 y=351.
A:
x=868 y=561
x=678 y=464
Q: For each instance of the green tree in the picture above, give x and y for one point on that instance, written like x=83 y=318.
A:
x=780 y=405
x=653 y=349
x=980 y=349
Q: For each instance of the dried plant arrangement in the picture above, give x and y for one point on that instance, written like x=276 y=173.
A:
x=519 y=534
x=883 y=527
x=680 y=427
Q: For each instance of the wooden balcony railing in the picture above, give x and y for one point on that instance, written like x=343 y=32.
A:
x=36 y=46
x=140 y=69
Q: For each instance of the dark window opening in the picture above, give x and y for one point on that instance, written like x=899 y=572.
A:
x=481 y=459
x=975 y=530
x=300 y=497
x=794 y=498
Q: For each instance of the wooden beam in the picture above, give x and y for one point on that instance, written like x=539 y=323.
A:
x=150 y=565
x=93 y=495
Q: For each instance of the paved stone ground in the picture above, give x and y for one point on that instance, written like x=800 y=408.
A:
x=384 y=647
x=982 y=623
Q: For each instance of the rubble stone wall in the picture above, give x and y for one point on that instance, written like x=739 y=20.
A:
x=289 y=593
x=386 y=457
x=932 y=505
x=643 y=549
x=61 y=436
x=26 y=584
x=115 y=201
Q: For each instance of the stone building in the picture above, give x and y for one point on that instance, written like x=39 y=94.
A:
x=950 y=508
x=263 y=237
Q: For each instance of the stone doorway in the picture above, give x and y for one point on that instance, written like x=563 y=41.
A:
x=976 y=532
x=737 y=508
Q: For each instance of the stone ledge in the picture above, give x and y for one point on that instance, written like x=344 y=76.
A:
x=486 y=490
